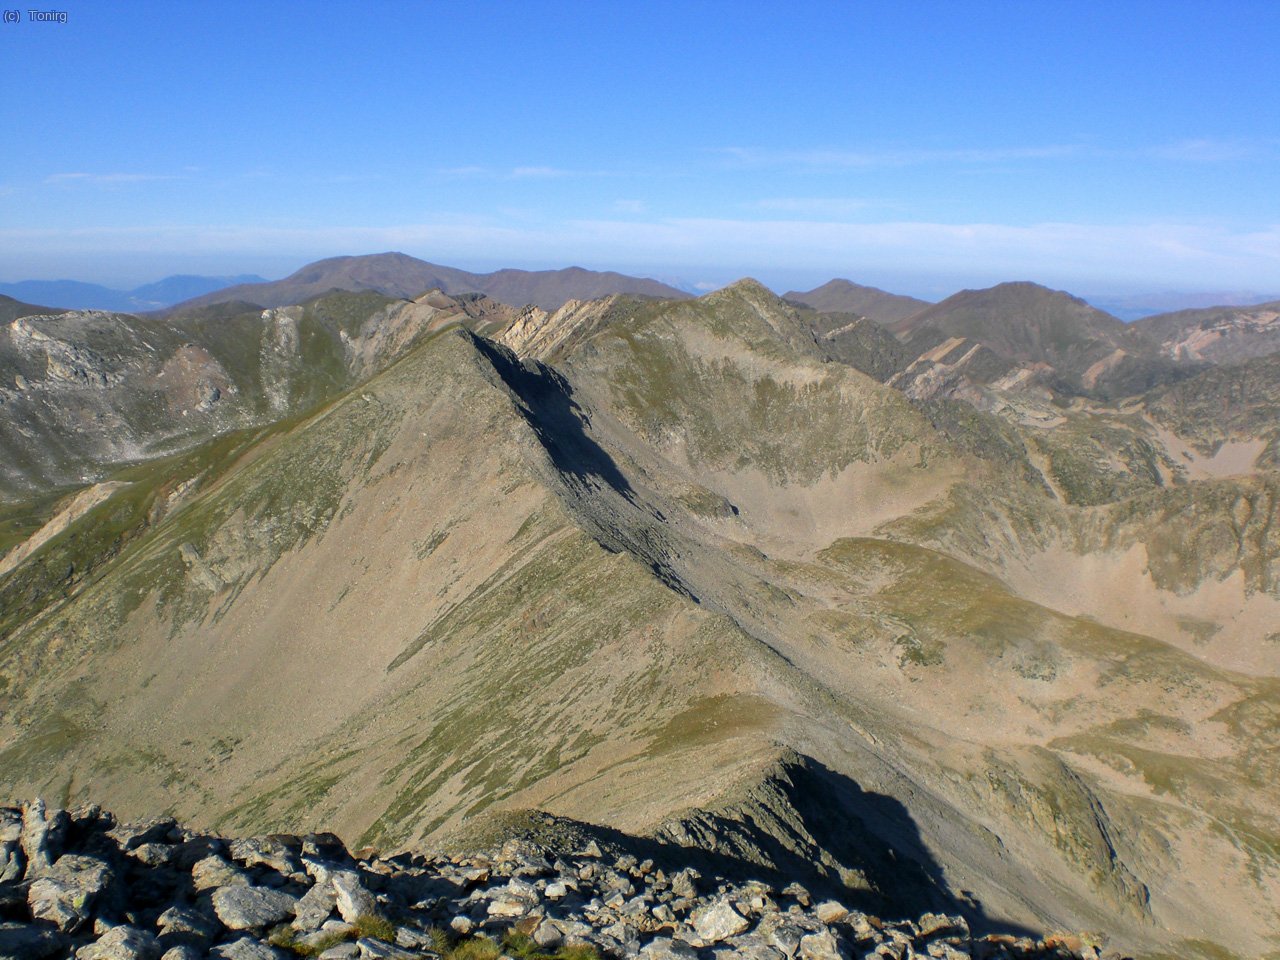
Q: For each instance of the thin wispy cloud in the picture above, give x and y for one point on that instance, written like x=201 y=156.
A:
x=630 y=206
x=102 y=179
x=1196 y=150
x=815 y=206
x=1207 y=151
x=539 y=173
x=523 y=172
x=869 y=158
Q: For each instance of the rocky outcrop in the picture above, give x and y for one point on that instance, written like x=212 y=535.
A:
x=96 y=889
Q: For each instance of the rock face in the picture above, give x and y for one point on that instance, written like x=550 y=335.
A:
x=85 y=390
x=533 y=899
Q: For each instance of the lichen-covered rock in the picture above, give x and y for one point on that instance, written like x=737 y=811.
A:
x=65 y=894
x=252 y=908
x=247 y=948
x=182 y=924
x=213 y=871
x=121 y=943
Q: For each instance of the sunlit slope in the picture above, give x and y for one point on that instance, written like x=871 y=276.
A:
x=84 y=392
x=1005 y=700
x=696 y=579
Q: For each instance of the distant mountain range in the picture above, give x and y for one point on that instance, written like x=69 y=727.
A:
x=74 y=295
x=399 y=275
x=1139 y=305
x=845 y=296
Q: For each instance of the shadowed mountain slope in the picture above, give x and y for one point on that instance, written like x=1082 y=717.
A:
x=671 y=568
x=845 y=296
x=399 y=275
x=11 y=309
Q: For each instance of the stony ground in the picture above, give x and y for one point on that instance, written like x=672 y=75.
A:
x=81 y=884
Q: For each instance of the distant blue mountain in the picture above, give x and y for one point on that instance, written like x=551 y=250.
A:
x=74 y=295
x=1139 y=305
x=171 y=290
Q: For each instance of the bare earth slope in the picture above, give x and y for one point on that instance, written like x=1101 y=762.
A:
x=1220 y=334
x=671 y=568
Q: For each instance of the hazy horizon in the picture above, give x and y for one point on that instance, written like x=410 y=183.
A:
x=921 y=148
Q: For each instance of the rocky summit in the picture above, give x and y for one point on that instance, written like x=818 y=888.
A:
x=82 y=884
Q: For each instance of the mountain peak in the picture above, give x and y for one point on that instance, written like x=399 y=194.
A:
x=845 y=296
x=747 y=285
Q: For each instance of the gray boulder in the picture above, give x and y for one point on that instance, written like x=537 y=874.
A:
x=180 y=924
x=21 y=941
x=352 y=899
x=252 y=908
x=718 y=921
x=42 y=835
x=213 y=871
x=65 y=895
x=247 y=948
x=664 y=948
x=315 y=906
x=121 y=943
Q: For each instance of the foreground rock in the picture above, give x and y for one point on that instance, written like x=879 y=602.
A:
x=83 y=885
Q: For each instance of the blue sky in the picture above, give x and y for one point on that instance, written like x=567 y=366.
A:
x=917 y=146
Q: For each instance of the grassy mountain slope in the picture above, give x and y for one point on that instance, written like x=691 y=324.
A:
x=681 y=573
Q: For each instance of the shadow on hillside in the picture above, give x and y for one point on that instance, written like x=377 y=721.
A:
x=548 y=407
x=813 y=826
x=556 y=419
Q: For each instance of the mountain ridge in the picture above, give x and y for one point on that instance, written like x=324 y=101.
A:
x=399 y=275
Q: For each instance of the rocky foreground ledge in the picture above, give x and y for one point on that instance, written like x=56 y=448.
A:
x=80 y=884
